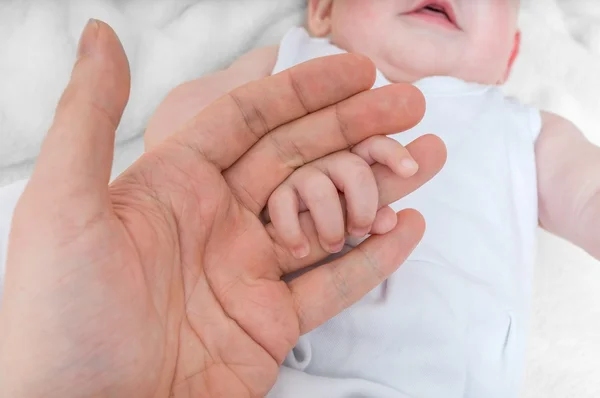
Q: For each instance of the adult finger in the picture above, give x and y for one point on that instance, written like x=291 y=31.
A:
x=325 y=291
x=227 y=128
x=76 y=156
x=268 y=163
x=429 y=152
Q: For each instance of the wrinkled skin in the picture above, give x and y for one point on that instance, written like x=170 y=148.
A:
x=165 y=282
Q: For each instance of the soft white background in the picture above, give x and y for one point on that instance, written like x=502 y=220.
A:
x=171 y=41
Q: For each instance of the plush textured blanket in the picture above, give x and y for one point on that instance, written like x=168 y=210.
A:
x=171 y=41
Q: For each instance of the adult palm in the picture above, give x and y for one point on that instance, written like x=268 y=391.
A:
x=166 y=282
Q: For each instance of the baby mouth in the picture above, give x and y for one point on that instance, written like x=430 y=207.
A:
x=438 y=12
x=436 y=9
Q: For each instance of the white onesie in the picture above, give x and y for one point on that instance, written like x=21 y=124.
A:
x=452 y=321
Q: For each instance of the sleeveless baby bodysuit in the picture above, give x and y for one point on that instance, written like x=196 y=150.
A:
x=452 y=321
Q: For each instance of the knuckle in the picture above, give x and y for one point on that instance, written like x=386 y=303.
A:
x=362 y=175
x=372 y=264
x=342 y=287
x=298 y=92
x=288 y=152
x=343 y=127
x=76 y=101
x=254 y=119
x=308 y=177
x=246 y=196
x=320 y=197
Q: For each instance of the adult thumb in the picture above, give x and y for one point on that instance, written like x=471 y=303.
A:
x=76 y=157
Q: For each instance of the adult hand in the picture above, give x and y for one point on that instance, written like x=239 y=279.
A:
x=165 y=282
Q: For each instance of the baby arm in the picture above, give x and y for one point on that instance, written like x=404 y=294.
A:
x=569 y=183
x=318 y=187
x=189 y=98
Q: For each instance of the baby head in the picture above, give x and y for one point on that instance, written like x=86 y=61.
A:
x=474 y=40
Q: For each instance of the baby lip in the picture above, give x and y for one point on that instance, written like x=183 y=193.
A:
x=441 y=7
x=437 y=10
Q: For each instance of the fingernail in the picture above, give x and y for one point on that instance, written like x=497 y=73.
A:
x=409 y=164
x=338 y=247
x=87 y=41
x=301 y=252
x=359 y=232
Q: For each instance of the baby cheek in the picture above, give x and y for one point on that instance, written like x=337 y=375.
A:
x=495 y=45
x=358 y=9
x=497 y=33
x=351 y=34
x=358 y=15
x=360 y=25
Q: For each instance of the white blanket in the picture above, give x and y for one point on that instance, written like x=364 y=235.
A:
x=171 y=41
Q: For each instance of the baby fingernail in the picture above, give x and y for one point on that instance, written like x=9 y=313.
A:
x=359 y=232
x=336 y=248
x=409 y=164
x=301 y=252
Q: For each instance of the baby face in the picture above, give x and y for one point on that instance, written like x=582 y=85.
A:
x=473 y=40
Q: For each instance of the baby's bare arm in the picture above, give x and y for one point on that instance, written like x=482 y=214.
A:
x=569 y=183
x=191 y=97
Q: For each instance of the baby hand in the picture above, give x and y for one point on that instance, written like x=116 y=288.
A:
x=318 y=188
